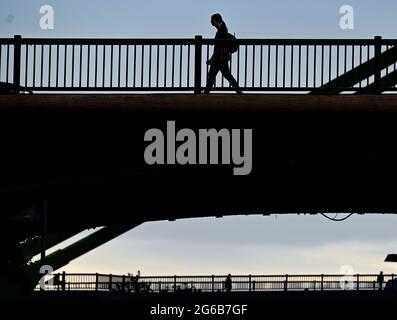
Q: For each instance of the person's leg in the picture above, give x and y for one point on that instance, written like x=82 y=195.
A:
x=214 y=69
x=229 y=77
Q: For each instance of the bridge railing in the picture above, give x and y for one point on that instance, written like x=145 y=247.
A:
x=216 y=283
x=170 y=65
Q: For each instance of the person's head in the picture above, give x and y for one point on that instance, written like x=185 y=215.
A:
x=216 y=20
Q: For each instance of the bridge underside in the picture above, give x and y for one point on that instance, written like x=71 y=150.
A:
x=83 y=155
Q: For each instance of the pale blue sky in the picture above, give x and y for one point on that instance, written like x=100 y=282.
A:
x=185 y=18
x=254 y=244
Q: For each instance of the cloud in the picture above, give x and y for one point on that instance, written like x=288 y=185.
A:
x=281 y=230
x=154 y=257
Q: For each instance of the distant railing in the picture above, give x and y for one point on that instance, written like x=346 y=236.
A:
x=216 y=283
x=170 y=65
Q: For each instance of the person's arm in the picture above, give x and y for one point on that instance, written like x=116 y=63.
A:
x=216 y=55
x=211 y=60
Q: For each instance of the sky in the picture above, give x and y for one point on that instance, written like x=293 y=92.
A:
x=186 y=18
x=242 y=244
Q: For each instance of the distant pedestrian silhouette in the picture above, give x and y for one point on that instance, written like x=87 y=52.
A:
x=228 y=283
x=221 y=57
x=380 y=280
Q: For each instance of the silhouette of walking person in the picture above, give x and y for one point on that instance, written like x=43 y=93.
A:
x=380 y=280
x=220 y=58
x=228 y=283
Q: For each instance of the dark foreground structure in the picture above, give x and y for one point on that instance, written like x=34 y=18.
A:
x=207 y=306
x=75 y=161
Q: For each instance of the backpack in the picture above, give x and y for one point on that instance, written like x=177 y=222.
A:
x=233 y=46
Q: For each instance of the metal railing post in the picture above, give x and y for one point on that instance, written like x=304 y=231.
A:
x=63 y=281
x=110 y=282
x=358 y=282
x=213 y=283
x=175 y=283
x=250 y=277
x=322 y=282
x=197 y=63
x=17 y=63
x=286 y=283
x=378 y=64
x=96 y=281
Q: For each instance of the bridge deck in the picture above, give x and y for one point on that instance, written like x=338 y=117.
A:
x=84 y=154
x=214 y=102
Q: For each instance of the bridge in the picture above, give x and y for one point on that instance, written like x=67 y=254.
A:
x=72 y=156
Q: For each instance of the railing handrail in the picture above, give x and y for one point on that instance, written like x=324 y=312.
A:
x=192 y=41
x=233 y=275
x=342 y=40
